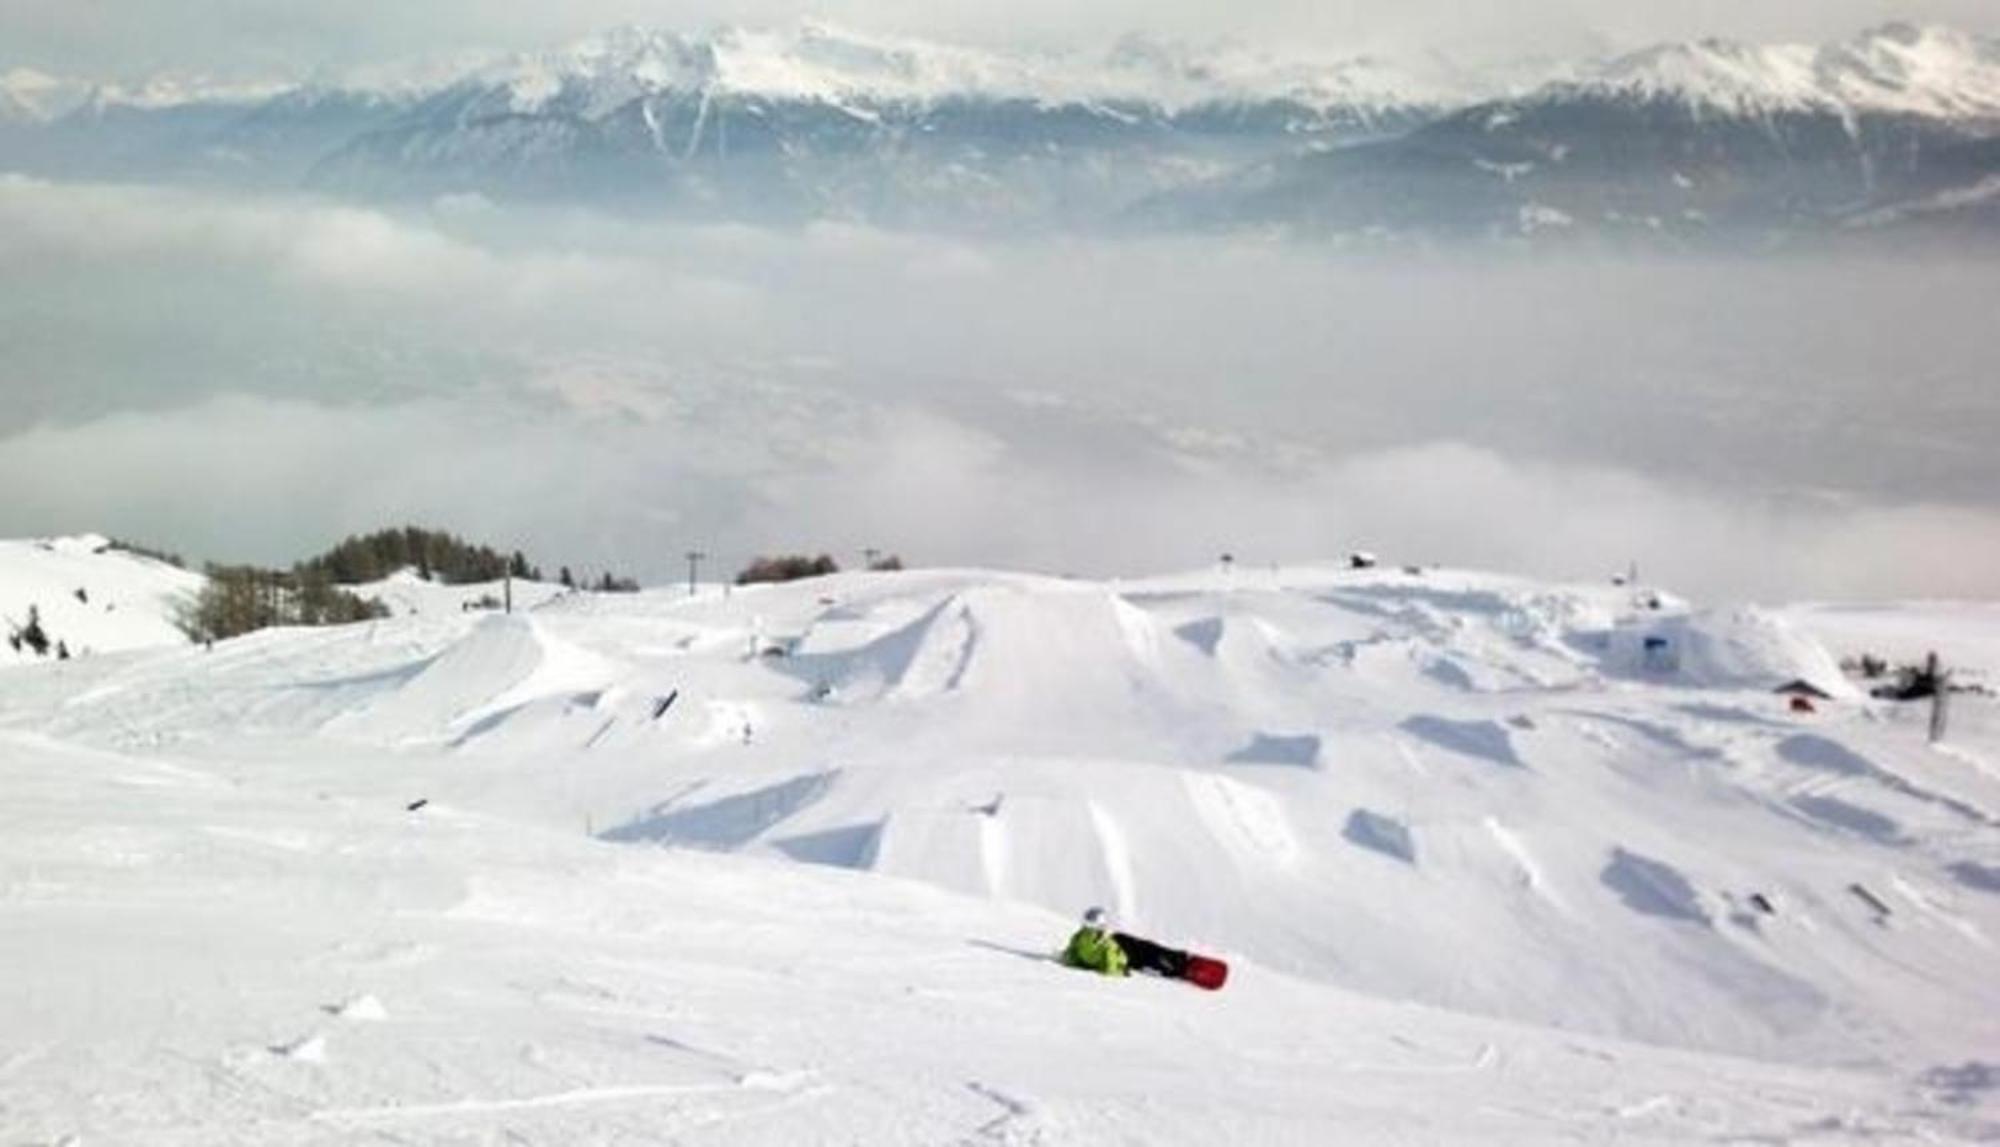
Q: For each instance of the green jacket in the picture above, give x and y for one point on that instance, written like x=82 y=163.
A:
x=1095 y=949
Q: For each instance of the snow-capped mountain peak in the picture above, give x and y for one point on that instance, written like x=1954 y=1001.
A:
x=1931 y=71
x=1741 y=78
x=1896 y=69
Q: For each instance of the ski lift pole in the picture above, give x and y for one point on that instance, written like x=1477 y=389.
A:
x=695 y=558
x=1940 y=698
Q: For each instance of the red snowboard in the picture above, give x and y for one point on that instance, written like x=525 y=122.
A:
x=1204 y=972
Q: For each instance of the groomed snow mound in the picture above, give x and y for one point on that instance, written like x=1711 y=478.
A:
x=1742 y=648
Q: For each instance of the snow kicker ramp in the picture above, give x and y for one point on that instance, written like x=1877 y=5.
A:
x=504 y=663
x=1292 y=777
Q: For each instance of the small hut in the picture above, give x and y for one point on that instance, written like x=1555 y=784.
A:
x=1800 y=687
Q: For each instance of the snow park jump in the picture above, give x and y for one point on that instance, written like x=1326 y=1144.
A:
x=449 y=873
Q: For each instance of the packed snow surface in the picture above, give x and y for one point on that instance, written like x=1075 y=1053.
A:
x=1493 y=860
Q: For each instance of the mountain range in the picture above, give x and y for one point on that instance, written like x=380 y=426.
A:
x=1678 y=143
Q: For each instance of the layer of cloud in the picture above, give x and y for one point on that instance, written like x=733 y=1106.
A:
x=254 y=479
x=251 y=377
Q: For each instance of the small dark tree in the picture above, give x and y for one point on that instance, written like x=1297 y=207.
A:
x=32 y=634
x=568 y=581
x=890 y=564
x=62 y=651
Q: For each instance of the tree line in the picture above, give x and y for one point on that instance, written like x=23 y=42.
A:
x=239 y=599
x=243 y=599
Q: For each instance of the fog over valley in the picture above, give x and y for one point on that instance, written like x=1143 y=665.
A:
x=247 y=377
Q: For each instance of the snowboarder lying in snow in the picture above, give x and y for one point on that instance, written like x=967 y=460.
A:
x=1099 y=949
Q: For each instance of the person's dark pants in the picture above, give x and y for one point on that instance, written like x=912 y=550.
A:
x=1146 y=956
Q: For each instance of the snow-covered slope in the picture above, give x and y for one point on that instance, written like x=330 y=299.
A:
x=1902 y=68
x=90 y=596
x=1571 y=806
x=271 y=949
x=1897 y=69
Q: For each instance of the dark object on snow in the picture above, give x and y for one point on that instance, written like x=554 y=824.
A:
x=417 y=804
x=1762 y=903
x=663 y=704
x=1657 y=655
x=1145 y=956
x=1802 y=704
x=62 y=651
x=1869 y=898
x=83 y=595
x=1362 y=560
x=1913 y=682
x=32 y=634
x=1800 y=687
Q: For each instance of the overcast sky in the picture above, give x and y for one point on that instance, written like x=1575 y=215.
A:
x=251 y=37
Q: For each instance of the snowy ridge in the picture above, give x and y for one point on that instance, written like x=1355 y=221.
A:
x=821 y=63
x=1897 y=69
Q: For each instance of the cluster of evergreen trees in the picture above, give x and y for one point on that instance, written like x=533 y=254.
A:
x=434 y=554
